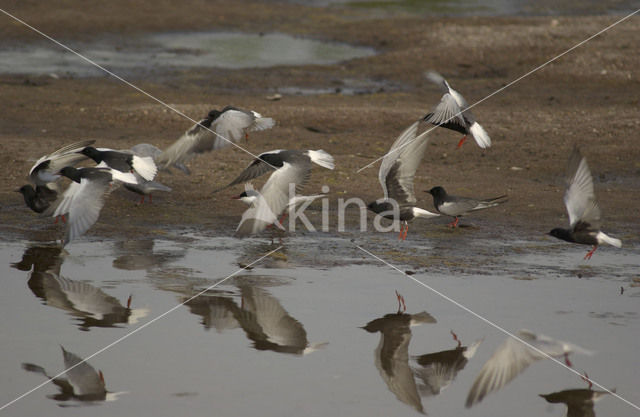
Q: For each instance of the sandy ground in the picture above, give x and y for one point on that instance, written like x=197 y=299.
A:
x=589 y=97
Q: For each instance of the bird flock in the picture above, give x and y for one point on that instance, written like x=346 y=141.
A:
x=79 y=205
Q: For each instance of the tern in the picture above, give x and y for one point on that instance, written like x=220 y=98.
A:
x=122 y=161
x=583 y=209
x=290 y=171
x=455 y=206
x=218 y=130
x=84 y=198
x=397 y=170
x=452 y=113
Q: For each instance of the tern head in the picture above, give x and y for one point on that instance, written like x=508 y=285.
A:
x=560 y=233
x=437 y=192
x=71 y=173
x=92 y=153
x=247 y=197
x=25 y=190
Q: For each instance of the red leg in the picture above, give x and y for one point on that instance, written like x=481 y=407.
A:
x=588 y=255
x=461 y=142
x=401 y=231
x=586 y=379
x=402 y=307
x=64 y=219
x=567 y=361
x=454 y=223
x=150 y=200
x=129 y=302
x=455 y=337
x=406 y=230
x=284 y=216
x=141 y=199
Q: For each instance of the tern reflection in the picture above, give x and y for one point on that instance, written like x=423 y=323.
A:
x=90 y=305
x=392 y=352
x=132 y=255
x=437 y=370
x=217 y=312
x=579 y=402
x=265 y=322
x=82 y=384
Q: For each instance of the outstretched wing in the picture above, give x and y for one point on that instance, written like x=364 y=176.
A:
x=399 y=165
x=579 y=197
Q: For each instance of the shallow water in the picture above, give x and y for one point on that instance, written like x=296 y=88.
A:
x=488 y=8
x=212 y=355
x=171 y=51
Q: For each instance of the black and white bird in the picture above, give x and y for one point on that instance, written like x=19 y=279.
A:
x=45 y=175
x=46 y=170
x=455 y=206
x=452 y=113
x=396 y=174
x=579 y=402
x=512 y=357
x=84 y=198
x=583 y=209
x=290 y=170
x=218 y=130
x=40 y=199
x=122 y=161
x=251 y=196
x=147 y=149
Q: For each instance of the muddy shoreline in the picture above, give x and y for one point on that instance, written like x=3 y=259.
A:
x=589 y=97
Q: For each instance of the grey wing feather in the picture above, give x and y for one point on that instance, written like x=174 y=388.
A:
x=84 y=207
x=83 y=377
x=438 y=79
x=392 y=361
x=66 y=156
x=198 y=139
x=447 y=112
x=399 y=166
x=508 y=361
x=579 y=197
x=275 y=321
x=231 y=124
x=273 y=199
x=255 y=169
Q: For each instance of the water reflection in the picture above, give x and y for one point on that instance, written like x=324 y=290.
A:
x=216 y=311
x=392 y=353
x=512 y=357
x=579 y=402
x=264 y=320
x=90 y=305
x=132 y=255
x=83 y=384
x=437 y=370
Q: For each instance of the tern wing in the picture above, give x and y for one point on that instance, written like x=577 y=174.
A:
x=399 y=166
x=579 y=197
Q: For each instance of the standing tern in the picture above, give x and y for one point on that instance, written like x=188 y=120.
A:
x=455 y=206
